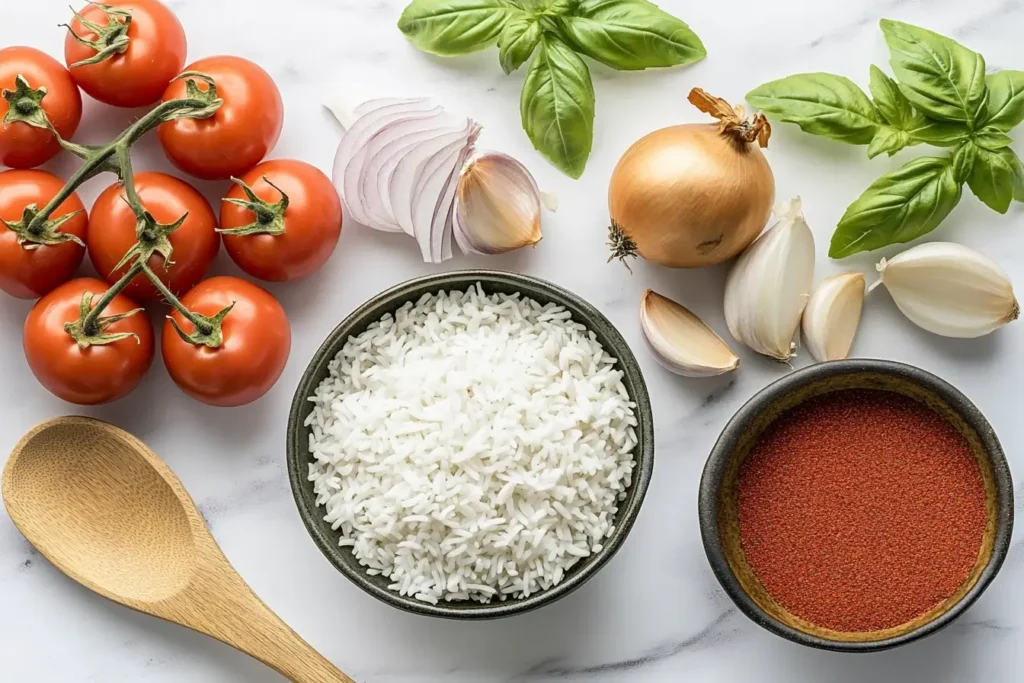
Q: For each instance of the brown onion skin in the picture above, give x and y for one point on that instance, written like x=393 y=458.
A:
x=677 y=193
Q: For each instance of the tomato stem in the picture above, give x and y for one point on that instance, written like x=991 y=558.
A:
x=200 y=323
x=36 y=229
x=90 y=323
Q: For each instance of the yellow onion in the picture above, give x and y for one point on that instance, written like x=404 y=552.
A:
x=695 y=194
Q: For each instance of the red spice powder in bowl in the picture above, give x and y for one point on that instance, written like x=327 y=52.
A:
x=856 y=505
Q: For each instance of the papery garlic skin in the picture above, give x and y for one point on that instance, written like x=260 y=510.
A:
x=949 y=289
x=497 y=206
x=682 y=342
x=768 y=287
x=832 y=316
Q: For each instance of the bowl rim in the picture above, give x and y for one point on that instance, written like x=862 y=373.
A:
x=297 y=455
x=714 y=470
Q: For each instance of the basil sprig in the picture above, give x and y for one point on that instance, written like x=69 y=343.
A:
x=941 y=97
x=557 y=103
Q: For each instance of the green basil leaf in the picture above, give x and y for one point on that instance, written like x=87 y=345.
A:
x=1005 y=99
x=994 y=177
x=557 y=106
x=898 y=207
x=939 y=133
x=892 y=104
x=941 y=78
x=888 y=140
x=992 y=138
x=455 y=27
x=630 y=35
x=517 y=41
x=963 y=161
x=821 y=104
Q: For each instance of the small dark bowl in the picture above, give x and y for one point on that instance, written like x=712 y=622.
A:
x=719 y=519
x=389 y=301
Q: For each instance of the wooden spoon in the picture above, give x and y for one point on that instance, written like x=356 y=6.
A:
x=107 y=512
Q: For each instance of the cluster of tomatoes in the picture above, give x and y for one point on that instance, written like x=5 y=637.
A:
x=280 y=220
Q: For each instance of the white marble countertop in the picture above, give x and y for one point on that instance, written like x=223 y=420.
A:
x=655 y=614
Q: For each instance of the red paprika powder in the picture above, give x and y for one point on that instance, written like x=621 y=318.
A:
x=860 y=510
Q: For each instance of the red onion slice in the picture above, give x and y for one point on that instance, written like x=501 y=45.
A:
x=348 y=160
x=420 y=161
x=446 y=202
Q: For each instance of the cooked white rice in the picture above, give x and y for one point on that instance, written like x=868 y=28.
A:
x=472 y=446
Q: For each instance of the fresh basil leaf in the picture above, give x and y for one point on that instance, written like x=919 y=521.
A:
x=939 y=133
x=455 y=27
x=821 y=104
x=941 y=78
x=898 y=207
x=994 y=177
x=963 y=161
x=892 y=104
x=517 y=41
x=888 y=140
x=630 y=35
x=1005 y=99
x=992 y=138
x=557 y=106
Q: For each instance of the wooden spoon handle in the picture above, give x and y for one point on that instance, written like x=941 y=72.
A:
x=221 y=605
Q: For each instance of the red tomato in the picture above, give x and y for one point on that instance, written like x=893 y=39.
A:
x=97 y=373
x=256 y=342
x=312 y=221
x=31 y=273
x=139 y=75
x=194 y=243
x=21 y=144
x=239 y=134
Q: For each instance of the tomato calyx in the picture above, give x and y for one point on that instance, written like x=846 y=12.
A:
x=90 y=328
x=209 y=329
x=152 y=237
x=111 y=38
x=25 y=104
x=33 y=234
x=194 y=94
x=269 y=217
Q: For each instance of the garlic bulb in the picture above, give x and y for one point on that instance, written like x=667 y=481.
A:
x=832 y=316
x=497 y=206
x=767 y=289
x=681 y=341
x=949 y=289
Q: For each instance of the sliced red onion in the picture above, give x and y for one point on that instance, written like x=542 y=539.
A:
x=446 y=202
x=392 y=146
x=426 y=202
x=350 y=156
x=420 y=161
x=375 y=153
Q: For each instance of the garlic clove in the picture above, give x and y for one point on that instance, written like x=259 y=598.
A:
x=949 y=289
x=832 y=316
x=681 y=341
x=768 y=287
x=497 y=206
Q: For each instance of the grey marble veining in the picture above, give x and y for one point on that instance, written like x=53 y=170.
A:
x=655 y=614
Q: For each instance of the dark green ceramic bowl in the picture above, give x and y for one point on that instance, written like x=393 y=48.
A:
x=387 y=302
x=719 y=493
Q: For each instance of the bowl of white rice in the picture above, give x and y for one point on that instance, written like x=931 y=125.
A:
x=471 y=444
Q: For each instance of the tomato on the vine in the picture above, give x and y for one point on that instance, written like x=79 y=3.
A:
x=29 y=270
x=253 y=351
x=239 y=134
x=146 y=45
x=47 y=85
x=194 y=244
x=288 y=227
x=95 y=374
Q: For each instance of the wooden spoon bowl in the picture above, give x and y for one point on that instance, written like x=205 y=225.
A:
x=106 y=511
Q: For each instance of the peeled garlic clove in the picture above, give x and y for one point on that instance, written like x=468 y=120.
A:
x=832 y=316
x=497 y=206
x=681 y=341
x=949 y=289
x=767 y=290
